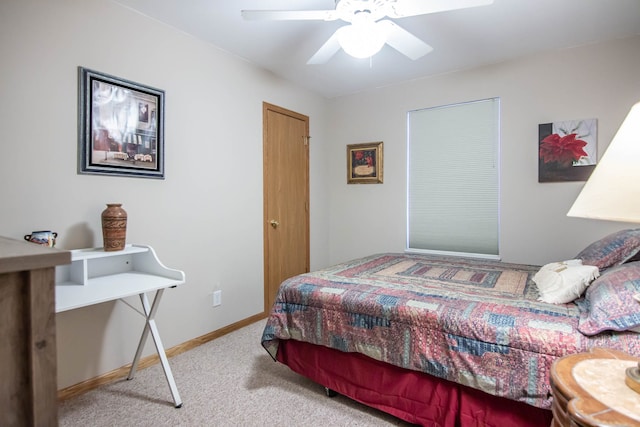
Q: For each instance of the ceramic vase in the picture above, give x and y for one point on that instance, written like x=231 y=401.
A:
x=114 y=227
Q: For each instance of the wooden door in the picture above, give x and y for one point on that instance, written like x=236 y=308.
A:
x=286 y=197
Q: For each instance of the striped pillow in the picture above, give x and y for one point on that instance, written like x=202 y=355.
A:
x=609 y=303
x=614 y=249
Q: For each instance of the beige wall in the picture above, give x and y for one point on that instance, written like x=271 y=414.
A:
x=597 y=81
x=205 y=218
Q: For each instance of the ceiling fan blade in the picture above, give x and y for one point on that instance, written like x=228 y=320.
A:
x=403 y=41
x=404 y=8
x=289 y=15
x=328 y=49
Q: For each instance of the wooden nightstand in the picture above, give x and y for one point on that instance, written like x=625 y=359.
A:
x=28 y=380
x=589 y=390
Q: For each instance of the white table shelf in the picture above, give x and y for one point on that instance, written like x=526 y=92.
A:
x=70 y=295
x=95 y=276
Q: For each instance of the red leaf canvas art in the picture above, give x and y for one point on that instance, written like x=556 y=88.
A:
x=567 y=150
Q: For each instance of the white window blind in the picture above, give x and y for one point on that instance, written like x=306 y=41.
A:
x=453 y=179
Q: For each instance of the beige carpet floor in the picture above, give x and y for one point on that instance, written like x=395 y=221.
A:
x=230 y=381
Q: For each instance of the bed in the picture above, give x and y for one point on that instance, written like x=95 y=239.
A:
x=450 y=341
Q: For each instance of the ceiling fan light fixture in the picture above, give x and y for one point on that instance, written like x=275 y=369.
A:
x=361 y=40
x=368 y=32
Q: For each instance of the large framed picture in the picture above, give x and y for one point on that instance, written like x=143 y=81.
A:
x=364 y=163
x=121 y=127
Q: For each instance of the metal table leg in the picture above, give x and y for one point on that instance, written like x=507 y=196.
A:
x=150 y=326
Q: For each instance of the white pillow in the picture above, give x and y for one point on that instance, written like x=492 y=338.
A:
x=563 y=282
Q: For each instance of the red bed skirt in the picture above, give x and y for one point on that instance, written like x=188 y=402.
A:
x=409 y=395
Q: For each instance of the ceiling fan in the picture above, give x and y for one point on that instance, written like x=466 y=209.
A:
x=367 y=31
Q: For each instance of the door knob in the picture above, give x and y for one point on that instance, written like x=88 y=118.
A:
x=274 y=223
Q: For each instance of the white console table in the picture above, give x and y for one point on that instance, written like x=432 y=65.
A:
x=95 y=276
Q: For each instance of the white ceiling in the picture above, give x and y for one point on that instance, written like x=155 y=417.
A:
x=461 y=39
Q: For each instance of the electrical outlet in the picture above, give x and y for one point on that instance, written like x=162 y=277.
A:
x=217 y=298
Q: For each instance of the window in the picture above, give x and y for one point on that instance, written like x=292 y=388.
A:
x=453 y=179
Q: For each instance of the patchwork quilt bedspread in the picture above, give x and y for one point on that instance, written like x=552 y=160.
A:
x=471 y=321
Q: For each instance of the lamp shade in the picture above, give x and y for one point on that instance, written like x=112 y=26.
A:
x=612 y=192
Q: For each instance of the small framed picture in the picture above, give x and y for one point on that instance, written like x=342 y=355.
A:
x=121 y=127
x=364 y=163
x=567 y=150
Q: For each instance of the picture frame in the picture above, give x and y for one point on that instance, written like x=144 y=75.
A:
x=120 y=126
x=365 y=163
x=567 y=150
